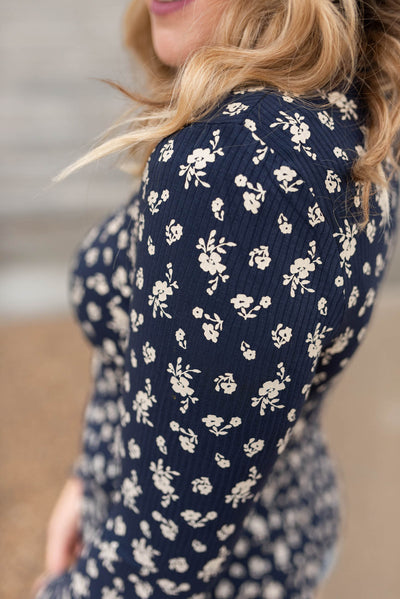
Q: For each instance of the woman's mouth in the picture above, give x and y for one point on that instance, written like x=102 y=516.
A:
x=165 y=7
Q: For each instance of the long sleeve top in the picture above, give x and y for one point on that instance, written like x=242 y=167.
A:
x=222 y=301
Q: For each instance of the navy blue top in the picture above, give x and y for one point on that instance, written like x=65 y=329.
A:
x=222 y=301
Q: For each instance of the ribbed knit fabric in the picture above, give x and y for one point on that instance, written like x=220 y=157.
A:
x=222 y=301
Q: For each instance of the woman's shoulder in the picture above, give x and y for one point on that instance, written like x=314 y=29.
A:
x=325 y=128
x=255 y=123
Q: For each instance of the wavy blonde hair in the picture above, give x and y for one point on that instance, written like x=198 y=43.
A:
x=300 y=47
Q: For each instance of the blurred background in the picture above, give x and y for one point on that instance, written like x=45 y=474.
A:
x=51 y=110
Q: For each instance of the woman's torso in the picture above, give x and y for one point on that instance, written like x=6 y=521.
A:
x=300 y=505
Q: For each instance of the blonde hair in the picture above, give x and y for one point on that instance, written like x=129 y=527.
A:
x=300 y=47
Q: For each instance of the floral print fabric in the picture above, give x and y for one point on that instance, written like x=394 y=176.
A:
x=222 y=301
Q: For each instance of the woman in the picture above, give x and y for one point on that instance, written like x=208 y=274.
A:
x=225 y=298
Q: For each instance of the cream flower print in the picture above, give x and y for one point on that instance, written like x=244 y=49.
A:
x=151 y=248
x=91 y=256
x=196 y=520
x=225 y=383
x=202 y=485
x=169 y=587
x=371 y=230
x=253 y=446
x=197 y=312
x=180 y=383
x=282 y=443
x=348 y=107
x=326 y=119
x=161 y=444
x=214 y=424
x=299 y=130
x=242 y=302
x=247 y=351
x=226 y=531
x=143 y=401
x=366 y=268
x=161 y=290
x=99 y=283
x=154 y=200
x=260 y=257
x=198 y=546
x=93 y=311
x=140 y=226
x=80 y=584
x=180 y=336
x=353 y=297
x=169 y=528
x=262 y=151
x=144 y=554
x=339 y=281
x=281 y=335
x=340 y=153
x=130 y=490
x=119 y=280
x=187 y=437
x=332 y=181
x=241 y=493
x=314 y=342
x=166 y=151
x=322 y=306
x=212 y=327
x=234 y=108
x=285 y=175
x=252 y=199
x=338 y=345
x=268 y=393
x=179 y=564
x=108 y=554
x=348 y=241
x=149 y=353
x=222 y=461
x=136 y=320
x=368 y=302
x=285 y=226
x=379 y=265
x=134 y=449
x=217 y=208
x=173 y=231
x=300 y=269
x=315 y=215
x=383 y=200
x=198 y=160
x=162 y=477
x=139 y=278
x=214 y=566
x=198 y=414
x=210 y=259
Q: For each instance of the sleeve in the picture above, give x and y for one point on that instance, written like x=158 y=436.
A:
x=235 y=292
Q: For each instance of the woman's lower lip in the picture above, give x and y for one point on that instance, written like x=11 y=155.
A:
x=165 y=8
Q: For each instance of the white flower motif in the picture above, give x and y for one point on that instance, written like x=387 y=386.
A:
x=198 y=160
x=268 y=393
x=197 y=312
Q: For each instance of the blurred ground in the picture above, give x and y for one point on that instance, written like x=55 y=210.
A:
x=45 y=374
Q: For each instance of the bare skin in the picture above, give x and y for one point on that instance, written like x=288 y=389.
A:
x=177 y=34
x=63 y=544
